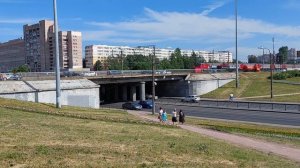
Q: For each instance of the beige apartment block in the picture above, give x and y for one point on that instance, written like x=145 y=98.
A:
x=11 y=55
x=40 y=47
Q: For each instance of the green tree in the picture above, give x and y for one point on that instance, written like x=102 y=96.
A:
x=283 y=54
x=113 y=63
x=177 y=60
x=22 y=68
x=252 y=59
x=98 y=66
x=164 y=64
x=138 y=62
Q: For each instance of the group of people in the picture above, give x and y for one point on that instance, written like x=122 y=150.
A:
x=163 y=116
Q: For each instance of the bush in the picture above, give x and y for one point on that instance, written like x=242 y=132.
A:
x=285 y=75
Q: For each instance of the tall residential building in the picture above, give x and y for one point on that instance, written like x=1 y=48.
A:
x=292 y=55
x=94 y=53
x=11 y=55
x=40 y=47
x=37 y=46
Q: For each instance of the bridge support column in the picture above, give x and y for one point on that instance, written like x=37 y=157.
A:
x=124 y=94
x=142 y=91
x=116 y=93
x=133 y=93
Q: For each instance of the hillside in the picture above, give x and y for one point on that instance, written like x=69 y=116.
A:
x=38 y=135
x=256 y=86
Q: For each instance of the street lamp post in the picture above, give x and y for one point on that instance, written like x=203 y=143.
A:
x=58 y=90
x=263 y=56
x=122 y=64
x=271 y=70
x=236 y=45
x=153 y=80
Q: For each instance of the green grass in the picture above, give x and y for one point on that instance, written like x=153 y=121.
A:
x=283 y=135
x=38 y=135
x=297 y=79
x=256 y=84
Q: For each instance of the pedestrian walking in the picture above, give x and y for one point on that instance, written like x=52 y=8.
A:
x=181 y=117
x=160 y=114
x=231 y=97
x=174 y=116
x=164 y=117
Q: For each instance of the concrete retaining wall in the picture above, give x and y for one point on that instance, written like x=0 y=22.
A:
x=184 y=88
x=81 y=93
x=203 y=87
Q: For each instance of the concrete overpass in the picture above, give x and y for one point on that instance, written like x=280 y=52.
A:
x=136 y=86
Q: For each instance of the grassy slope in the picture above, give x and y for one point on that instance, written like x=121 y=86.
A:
x=289 y=136
x=256 y=84
x=44 y=137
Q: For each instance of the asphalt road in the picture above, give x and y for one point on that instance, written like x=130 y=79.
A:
x=287 y=119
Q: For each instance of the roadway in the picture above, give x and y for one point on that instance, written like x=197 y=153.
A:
x=264 y=117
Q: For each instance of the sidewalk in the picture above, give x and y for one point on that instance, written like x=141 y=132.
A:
x=266 y=147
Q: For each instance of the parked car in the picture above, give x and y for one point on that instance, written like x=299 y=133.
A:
x=15 y=77
x=132 y=106
x=88 y=74
x=148 y=104
x=191 y=98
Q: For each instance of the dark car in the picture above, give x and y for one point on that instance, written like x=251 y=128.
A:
x=132 y=106
x=148 y=104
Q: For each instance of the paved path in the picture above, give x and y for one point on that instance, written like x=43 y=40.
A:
x=267 y=147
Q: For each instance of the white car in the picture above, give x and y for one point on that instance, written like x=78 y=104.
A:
x=191 y=98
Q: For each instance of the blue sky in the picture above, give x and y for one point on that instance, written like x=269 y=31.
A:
x=187 y=24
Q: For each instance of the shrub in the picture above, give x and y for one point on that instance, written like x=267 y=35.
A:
x=285 y=75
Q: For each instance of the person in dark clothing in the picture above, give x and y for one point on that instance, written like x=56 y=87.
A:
x=181 y=117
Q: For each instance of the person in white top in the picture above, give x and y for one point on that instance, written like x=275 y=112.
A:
x=174 y=116
x=160 y=114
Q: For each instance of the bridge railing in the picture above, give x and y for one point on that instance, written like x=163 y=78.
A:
x=120 y=73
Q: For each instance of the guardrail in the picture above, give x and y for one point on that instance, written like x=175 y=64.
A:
x=243 y=105
x=253 y=105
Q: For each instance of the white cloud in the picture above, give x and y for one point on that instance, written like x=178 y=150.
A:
x=17 y=21
x=186 y=26
x=212 y=7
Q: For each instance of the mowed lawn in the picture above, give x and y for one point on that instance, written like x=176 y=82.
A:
x=37 y=135
x=254 y=84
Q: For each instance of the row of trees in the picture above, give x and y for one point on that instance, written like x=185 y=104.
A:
x=138 y=62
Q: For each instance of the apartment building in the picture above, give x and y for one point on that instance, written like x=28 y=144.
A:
x=11 y=54
x=40 y=47
x=94 y=53
x=292 y=55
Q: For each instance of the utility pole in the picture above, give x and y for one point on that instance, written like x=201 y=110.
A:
x=272 y=63
x=58 y=90
x=236 y=45
x=153 y=81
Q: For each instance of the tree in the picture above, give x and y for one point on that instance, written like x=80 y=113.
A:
x=283 y=54
x=22 y=68
x=177 y=60
x=164 y=64
x=252 y=59
x=98 y=66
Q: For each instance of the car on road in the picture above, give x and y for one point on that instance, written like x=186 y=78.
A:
x=148 y=104
x=191 y=98
x=132 y=106
x=15 y=77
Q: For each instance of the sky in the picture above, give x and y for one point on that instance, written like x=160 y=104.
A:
x=187 y=24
